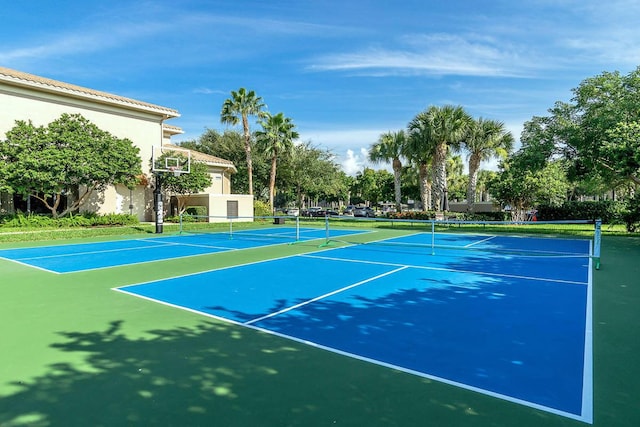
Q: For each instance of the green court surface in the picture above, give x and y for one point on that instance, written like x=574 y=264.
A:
x=77 y=353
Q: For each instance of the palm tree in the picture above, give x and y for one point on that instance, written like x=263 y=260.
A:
x=419 y=151
x=276 y=139
x=239 y=107
x=449 y=125
x=390 y=147
x=485 y=139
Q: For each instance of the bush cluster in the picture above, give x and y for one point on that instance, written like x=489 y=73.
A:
x=631 y=216
x=609 y=211
x=261 y=208
x=82 y=220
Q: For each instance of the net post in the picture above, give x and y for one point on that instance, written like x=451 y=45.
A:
x=433 y=237
x=597 y=238
x=297 y=229
x=326 y=227
x=230 y=228
x=180 y=222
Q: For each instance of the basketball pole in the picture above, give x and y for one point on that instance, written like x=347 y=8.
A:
x=158 y=204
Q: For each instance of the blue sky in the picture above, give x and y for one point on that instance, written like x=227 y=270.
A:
x=344 y=71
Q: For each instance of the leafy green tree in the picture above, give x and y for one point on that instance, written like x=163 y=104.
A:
x=390 y=147
x=484 y=140
x=595 y=131
x=373 y=186
x=69 y=154
x=312 y=174
x=275 y=140
x=229 y=145
x=522 y=186
x=237 y=109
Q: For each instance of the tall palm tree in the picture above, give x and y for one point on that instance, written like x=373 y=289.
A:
x=238 y=108
x=275 y=139
x=485 y=139
x=390 y=147
x=448 y=126
x=419 y=151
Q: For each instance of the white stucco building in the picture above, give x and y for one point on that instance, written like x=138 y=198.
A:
x=27 y=97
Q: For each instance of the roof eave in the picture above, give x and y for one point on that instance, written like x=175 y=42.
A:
x=49 y=86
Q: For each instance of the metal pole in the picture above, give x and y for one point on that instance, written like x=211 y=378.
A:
x=597 y=241
x=433 y=237
x=158 y=203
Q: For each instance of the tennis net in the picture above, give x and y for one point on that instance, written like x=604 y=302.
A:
x=262 y=228
x=554 y=239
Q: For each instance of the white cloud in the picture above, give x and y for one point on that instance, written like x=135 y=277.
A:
x=353 y=162
x=207 y=91
x=436 y=54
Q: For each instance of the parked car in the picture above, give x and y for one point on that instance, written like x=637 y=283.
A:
x=293 y=211
x=315 y=211
x=364 y=211
x=331 y=212
x=348 y=210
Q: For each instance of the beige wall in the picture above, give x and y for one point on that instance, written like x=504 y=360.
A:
x=143 y=129
x=216 y=205
x=220 y=182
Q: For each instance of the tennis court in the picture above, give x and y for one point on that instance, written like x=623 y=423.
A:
x=92 y=256
x=505 y=316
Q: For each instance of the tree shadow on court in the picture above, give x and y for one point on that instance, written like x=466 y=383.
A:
x=218 y=374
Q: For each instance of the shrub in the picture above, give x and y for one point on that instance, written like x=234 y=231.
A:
x=196 y=210
x=83 y=220
x=456 y=216
x=261 y=208
x=631 y=216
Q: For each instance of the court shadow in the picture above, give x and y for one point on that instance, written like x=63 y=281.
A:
x=223 y=375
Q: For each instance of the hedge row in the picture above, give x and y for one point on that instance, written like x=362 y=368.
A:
x=461 y=216
x=83 y=220
x=608 y=211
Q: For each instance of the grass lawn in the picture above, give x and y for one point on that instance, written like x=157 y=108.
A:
x=76 y=353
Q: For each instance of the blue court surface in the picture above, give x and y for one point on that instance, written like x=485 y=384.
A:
x=91 y=256
x=478 y=314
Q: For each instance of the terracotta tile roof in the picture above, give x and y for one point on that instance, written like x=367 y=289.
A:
x=20 y=78
x=173 y=130
x=207 y=158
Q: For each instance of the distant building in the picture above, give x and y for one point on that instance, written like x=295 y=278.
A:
x=28 y=97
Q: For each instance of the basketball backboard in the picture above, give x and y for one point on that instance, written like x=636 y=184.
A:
x=170 y=160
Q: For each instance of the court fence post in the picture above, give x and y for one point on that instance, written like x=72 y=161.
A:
x=433 y=237
x=597 y=238
x=326 y=227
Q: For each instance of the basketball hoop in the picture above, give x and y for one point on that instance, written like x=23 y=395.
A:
x=175 y=170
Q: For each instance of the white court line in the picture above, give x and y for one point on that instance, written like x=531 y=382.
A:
x=587 y=380
x=293 y=307
x=30 y=265
x=478 y=242
x=194 y=245
x=104 y=251
x=424 y=267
